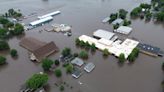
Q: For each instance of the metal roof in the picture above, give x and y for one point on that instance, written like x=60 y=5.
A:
x=123 y=29
x=49 y=14
x=40 y=21
x=77 y=61
x=89 y=67
x=100 y=33
x=117 y=21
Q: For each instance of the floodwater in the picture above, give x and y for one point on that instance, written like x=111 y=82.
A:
x=144 y=75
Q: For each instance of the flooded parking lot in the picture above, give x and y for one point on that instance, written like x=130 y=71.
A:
x=85 y=16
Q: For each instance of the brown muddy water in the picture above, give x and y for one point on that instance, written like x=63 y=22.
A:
x=85 y=16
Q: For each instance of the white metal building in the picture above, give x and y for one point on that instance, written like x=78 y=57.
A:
x=49 y=14
x=100 y=33
x=89 y=67
x=41 y=21
x=123 y=30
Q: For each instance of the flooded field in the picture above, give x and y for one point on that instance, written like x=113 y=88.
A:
x=85 y=16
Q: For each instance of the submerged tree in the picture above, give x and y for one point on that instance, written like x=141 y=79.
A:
x=121 y=58
x=47 y=64
x=2 y=60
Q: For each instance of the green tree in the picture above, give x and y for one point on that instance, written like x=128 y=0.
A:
x=148 y=15
x=136 y=11
x=57 y=62
x=2 y=60
x=131 y=57
x=13 y=52
x=105 y=52
x=82 y=43
x=160 y=16
x=116 y=26
x=87 y=45
x=46 y=64
x=145 y=6
x=69 y=68
x=136 y=52
x=122 y=13
x=75 y=54
x=61 y=88
x=121 y=58
x=77 y=41
x=93 y=47
x=19 y=29
x=83 y=54
x=113 y=17
x=4 y=45
x=58 y=73
x=37 y=81
x=3 y=33
x=126 y=23
x=66 y=52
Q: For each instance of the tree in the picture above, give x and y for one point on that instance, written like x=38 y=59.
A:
x=113 y=17
x=66 y=52
x=116 y=26
x=69 y=68
x=61 y=88
x=145 y=6
x=77 y=41
x=121 y=58
x=58 y=73
x=131 y=57
x=11 y=12
x=19 y=29
x=122 y=13
x=75 y=54
x=82 y=43
x=83 y=54
x=136 y=52
x=163 y=66
x=126 y=23
x=87 y=45
x=160 y=16
x=136 y=11
x=37 y=81
x=148 y=15
x=4 y=45
x=2 y=60
x=46 y=64
x=13 y=52
x=105 y=52
x=93 y=47
x=3 y=33
x=57 y=62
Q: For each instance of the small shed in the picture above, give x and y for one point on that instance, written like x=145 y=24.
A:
x=123 y=30
x=77 y=61
x=118 y=21
x=89 y=67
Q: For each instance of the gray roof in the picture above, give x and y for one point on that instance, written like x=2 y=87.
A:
x=89 y=67
x=103 y=34
x=77 y=61
x=117 y=21
x=124 y=30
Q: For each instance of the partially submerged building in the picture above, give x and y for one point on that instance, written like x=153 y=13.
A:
x=38 y=49
x=114 y=47
x=76 y=73
x=100 y=33
x=77 y=61
x=89 y=67
x=41 y=21
x=118 y=21
x=123 y=30
x=49 y=14
x=105 y=20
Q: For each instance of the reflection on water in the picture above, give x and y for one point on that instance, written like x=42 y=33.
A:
x=85 y=16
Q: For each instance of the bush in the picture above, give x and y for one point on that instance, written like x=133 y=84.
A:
x=37 y=81
x=57 y=62
x=121 y=58
x=105 y=52
x=113 y=17
x=46 y=64
x=13 y=52
x=66 y=52
x=19 y=29
x=58 y=73
x=4 y=45
x=2 y=60
x=87 y=45
x=83 y=54
x=77 y=41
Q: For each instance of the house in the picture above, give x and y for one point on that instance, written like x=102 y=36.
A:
x=38 y=49
x=76 y=73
